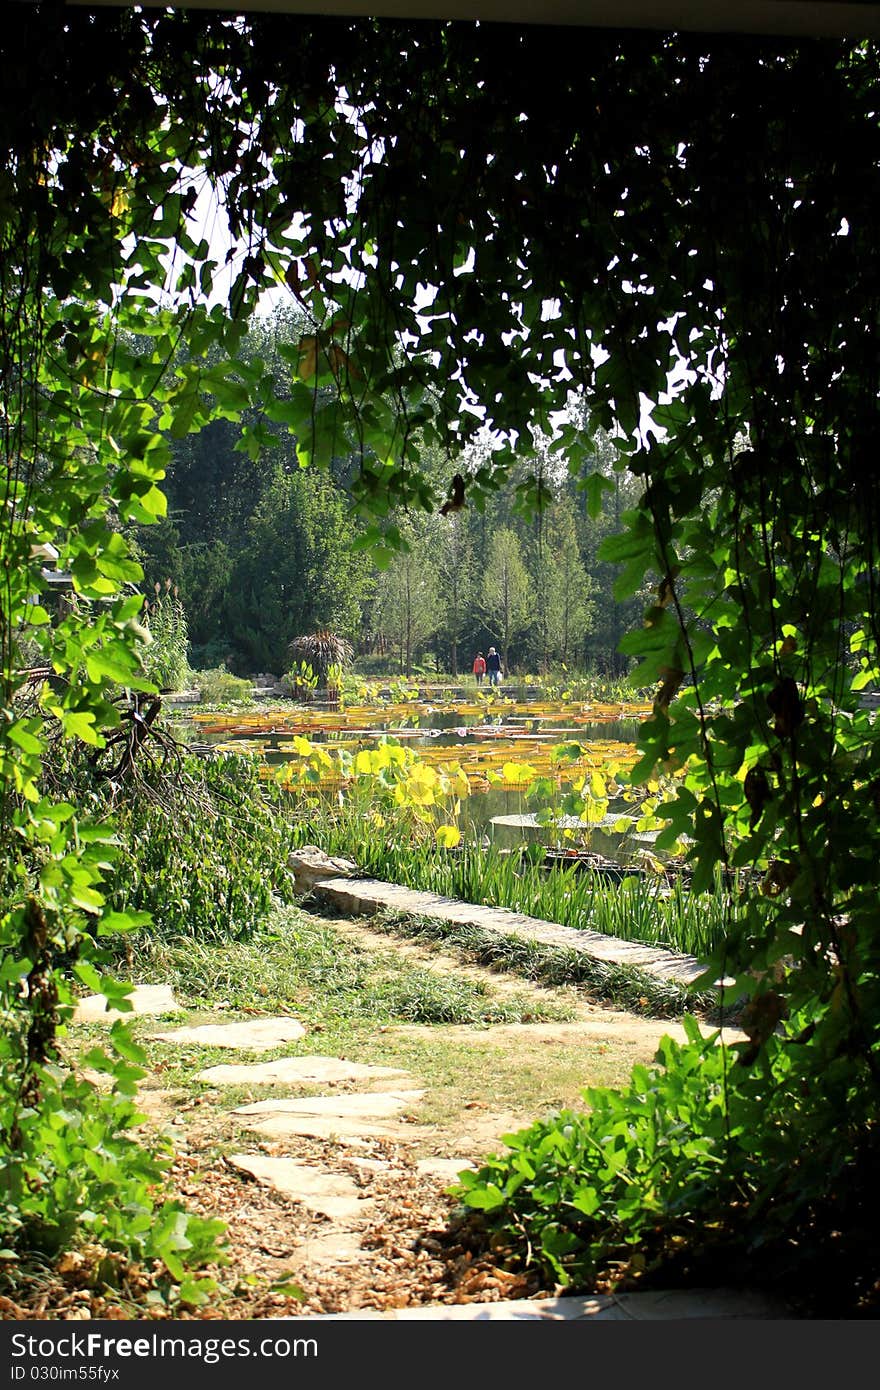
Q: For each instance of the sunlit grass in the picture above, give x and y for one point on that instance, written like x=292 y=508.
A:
x=646 y=909
x=298 y=965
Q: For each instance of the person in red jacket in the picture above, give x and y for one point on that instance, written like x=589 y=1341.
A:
x=479 y=667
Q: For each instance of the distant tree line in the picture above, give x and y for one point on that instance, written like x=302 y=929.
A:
x=262 y=551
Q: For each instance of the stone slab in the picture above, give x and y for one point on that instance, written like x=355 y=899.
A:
x=327 y=1194
x=289 y=1070
x=446 y=1168
x=248 y=1035
x=366 y=896
x=345 y=1118
x=348 y=1131
x=144 y=1000
x=659 y=1306
x=376 y=1105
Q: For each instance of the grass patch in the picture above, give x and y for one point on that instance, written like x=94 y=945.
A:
x=301 y=966
x=625 y=986
x=529 y=1078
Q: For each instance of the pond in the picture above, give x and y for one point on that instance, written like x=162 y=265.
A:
x=504 y=746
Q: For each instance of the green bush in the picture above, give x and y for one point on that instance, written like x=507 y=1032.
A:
x=74 y=1167
x=205 y=853
x=722 y=1153
x=208 y=856
x=219 y=687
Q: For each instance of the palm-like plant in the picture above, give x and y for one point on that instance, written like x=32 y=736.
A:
x=321 y=651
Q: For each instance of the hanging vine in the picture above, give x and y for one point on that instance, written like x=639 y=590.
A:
x=479 y=220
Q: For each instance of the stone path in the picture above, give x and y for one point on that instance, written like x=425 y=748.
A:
x=335 y=881
x=347 y=1119
x=257 y=1035
x=344 y=1202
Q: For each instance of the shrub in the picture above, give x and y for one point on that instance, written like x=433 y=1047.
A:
x=220 y=687
x=716 y=1164
x=321 y=651
x=207 y=854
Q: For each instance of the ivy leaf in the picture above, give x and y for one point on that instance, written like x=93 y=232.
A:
x=113 y=922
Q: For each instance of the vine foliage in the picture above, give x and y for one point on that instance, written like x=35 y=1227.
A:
x=479 y=223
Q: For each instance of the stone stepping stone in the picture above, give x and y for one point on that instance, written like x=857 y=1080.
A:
x=325 y=1253
x=289 y=1070
x=144 y=1000
x=345 y=1130
x=370 y=1165
x=447 y=1168
x=249 y=1035
x=326 y=1194
x=372 y=1105
x=674 y=1305
x=344 y=1118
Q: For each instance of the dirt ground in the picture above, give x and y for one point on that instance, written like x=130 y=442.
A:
x=411 y=1246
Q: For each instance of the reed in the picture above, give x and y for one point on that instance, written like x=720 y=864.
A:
x=637 y=909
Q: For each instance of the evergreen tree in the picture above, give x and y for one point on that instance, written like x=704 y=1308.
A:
x=505 y=599
x=566 y=609
x=296 y=572
x=406 y=608
x=456 y=582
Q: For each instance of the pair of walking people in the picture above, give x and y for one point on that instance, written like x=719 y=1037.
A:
x=488 y=665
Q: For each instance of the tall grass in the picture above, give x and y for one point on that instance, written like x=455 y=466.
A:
x=164 y=657
x=637 y=909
